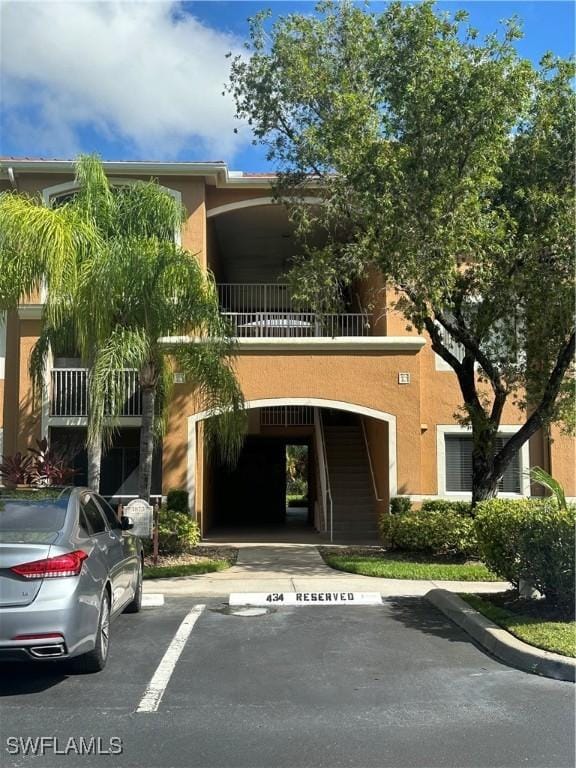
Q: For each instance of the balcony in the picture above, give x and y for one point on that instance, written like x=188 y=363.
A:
x=69 y=392
x=262 y=310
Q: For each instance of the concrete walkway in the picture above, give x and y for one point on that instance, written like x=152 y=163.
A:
x=298 y=568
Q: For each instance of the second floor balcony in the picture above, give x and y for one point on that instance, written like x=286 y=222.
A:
x=69 y=392
x=266 y=310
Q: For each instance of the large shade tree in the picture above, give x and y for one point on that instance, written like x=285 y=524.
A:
x=447 y=163
x=129 y=290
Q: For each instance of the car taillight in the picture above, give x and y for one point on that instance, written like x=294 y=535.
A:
x=69 y=564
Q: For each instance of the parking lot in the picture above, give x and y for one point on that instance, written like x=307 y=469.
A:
x=394 y=685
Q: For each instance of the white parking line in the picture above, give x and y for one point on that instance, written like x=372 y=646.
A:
x=156 y=687
x=152 y=600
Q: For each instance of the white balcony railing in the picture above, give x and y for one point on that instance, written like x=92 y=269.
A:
x=255 y=325
x=266 y=310
x=69 y=392
x=247 y=297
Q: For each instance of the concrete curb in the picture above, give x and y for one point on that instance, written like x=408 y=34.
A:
x=501 y=643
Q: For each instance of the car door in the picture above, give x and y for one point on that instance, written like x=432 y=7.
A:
x=109 y=546
x=130 y=554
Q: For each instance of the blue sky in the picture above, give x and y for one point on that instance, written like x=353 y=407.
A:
x=135 y=80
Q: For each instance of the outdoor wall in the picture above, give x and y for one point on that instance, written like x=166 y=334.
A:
x=29 y=411
x=563 y=460
x=360 y=379
x=377 y=435
x=215 y=197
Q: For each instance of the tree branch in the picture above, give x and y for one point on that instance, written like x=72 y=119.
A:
x=537 y=418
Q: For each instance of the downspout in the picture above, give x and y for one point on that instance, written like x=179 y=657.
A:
x=12 y=178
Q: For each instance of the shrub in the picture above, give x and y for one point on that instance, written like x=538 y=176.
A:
x=445 y=505
x=177 y=500
x=42 y=466
x=299 y=501
x=424 y=531
x=399 y=505
x=177 y=532
x=530 y=539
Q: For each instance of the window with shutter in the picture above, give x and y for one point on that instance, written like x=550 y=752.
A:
x=459 y=466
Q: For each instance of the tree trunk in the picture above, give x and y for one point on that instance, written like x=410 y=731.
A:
x=146 y=442
x=484 y=479
x=94 y=451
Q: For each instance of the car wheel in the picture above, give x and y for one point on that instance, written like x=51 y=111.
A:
x=95 y=660
x=136 y=604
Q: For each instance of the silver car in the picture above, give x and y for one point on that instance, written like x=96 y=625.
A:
x=67 y=567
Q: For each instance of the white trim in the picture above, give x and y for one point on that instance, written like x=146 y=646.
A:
x=30 y=311
x=82 y=421
x=315 y=402
x=441 y=365
x=46 y=393
x=456 y=429
x=216 y=173
x=253 y=203
x=48 y=193
x=353 y=343
x=3 y=321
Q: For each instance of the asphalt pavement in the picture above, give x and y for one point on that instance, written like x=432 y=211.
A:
x=391 y=686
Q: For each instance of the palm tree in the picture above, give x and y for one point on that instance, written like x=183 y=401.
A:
x=133 y=287
x=43 y=247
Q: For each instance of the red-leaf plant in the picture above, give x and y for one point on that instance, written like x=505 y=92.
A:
x=49 y=467
x=17 y=469
x=42 y=467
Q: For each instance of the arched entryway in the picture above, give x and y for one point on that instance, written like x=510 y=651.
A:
x=352 y=462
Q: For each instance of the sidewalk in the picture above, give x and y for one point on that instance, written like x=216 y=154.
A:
x=298 y=568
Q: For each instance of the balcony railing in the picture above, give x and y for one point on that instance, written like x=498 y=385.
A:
x=69 y=392
x=258 y=325
x=246 y=297
x=263 y=310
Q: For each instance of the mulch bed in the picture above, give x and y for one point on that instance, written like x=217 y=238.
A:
x=523 y=606
x=195 y=555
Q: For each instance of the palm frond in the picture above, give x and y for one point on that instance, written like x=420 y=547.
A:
x=41 y=245
x=217 y=391
x=125 y=348
x=543 y=478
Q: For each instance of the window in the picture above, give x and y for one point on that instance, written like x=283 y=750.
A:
x=109 y=514
x=85 y=529
x=93 y=515
x=459 y=466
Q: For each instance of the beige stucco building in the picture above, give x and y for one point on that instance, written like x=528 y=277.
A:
x=369 y=398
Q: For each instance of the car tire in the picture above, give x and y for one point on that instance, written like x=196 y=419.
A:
x=95 y=660
x=136 y=604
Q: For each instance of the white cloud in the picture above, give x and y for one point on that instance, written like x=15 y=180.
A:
x=142 y=73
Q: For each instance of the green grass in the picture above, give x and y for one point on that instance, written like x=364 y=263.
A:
x=556 y=636
x=401 y=566
x=168 y=571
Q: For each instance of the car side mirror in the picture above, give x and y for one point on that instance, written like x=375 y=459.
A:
x=127 y=523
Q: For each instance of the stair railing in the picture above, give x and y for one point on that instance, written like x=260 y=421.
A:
x=374 y=486
x=329 y=502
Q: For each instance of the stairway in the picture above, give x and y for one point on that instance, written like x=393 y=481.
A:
x=350 y=484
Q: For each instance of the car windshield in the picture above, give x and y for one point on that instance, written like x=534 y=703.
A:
x=29 y=520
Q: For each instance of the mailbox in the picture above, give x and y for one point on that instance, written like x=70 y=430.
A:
x=141 y=514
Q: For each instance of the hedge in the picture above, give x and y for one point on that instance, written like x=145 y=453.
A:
x=445 y=505
x=531 y=539
x=177 y=532
x=177 y=500
x=399 y=505
x=446 y=533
